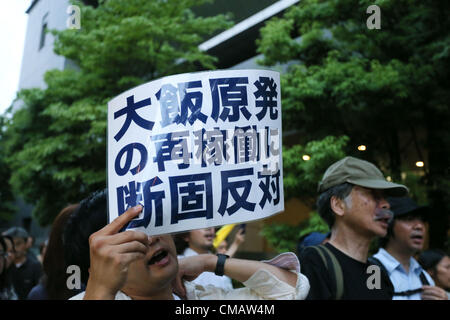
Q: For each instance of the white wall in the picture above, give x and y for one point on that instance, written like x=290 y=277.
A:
x=36 y=62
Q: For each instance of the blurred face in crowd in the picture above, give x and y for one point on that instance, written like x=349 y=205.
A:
x=441 y=273
x=3 y=257
x=11 y=253
x=201 y=240
x=150 y=275
x=408 y=233
x=359 y=209
x=20 y=245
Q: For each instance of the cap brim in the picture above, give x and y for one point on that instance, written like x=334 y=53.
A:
x=391 y=189
x=423 y=211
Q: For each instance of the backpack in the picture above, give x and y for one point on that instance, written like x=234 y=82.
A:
x=337 y=278
x=333 y=267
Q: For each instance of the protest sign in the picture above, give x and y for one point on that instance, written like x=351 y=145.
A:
x=197 y=150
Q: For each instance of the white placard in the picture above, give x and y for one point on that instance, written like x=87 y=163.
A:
x=197 y=150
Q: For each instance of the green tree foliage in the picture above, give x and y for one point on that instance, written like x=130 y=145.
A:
x=371 y=85
x=56 y=141
x=284 y=237
x=6 y=195
x=300 y=180
x=300 y=177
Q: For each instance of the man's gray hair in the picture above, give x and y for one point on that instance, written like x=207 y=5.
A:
x=341 y=191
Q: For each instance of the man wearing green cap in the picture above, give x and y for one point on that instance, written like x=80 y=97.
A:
x=352 y=201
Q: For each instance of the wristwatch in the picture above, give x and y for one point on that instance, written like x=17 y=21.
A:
x=220 y=266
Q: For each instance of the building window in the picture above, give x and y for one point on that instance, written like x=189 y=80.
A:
x=43 y=31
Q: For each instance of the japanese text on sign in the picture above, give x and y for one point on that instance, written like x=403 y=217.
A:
x=197 y=150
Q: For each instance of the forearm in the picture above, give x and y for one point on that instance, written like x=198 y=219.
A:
x=232 y=250
x=241 y=270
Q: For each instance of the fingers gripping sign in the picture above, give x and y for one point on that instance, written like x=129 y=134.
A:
x=111 y=253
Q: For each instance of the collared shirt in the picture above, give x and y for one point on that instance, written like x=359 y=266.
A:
x=262 y=285
x=402 y=280
x=208 y=278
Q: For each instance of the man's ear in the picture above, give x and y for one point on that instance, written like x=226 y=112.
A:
x=337 y=205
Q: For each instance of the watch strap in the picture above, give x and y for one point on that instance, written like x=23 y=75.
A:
x=220 y=266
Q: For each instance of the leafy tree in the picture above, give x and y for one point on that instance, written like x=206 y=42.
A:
x=374 y=86
x=56 y=142
x=284 y=237
x=300 y=180
x=300 y=177
x=6 y=194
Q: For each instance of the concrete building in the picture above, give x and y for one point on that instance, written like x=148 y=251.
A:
x=38 y=55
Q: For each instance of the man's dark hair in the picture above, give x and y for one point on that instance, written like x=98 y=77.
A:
x=429 y=259
x=54 y=264
x=341 y=191
x=3 y=274
x=180 y=243
x=91 y=216
x=17 y=232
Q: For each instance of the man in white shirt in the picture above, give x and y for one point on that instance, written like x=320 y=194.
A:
x=200 y=241
x=132 y=265
x=405 y=237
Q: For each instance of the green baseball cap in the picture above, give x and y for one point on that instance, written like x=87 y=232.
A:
x=361 y=173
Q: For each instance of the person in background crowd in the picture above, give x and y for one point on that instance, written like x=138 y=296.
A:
x=7 y=291
x=42 y=249
x=197 y=242
x=312 y=239
x=10 y=247
x=53 y=284
x=239 y=238
x=437 y=263
x=352 y=202
x=25 y=272
x=30 y=253
x=132 y=265
x=405 y=238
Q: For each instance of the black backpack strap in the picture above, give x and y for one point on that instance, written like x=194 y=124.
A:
x=385 y=273
x=334 y=268
x=377 y=262
x=406 y=293
x=423 y=279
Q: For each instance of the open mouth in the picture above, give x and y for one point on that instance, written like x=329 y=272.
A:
x=417 y=237
x=157 y=257
x=385 y=220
